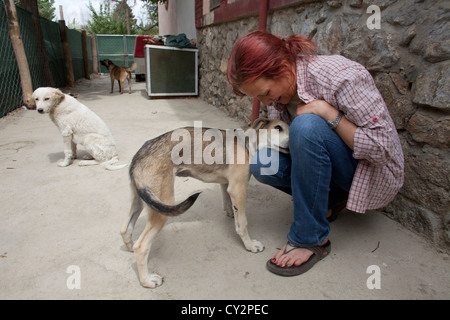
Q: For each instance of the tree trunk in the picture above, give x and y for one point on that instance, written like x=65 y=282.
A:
x=128 y=21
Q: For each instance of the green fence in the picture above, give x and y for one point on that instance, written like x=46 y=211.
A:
x=117 y=48
x=10 y=86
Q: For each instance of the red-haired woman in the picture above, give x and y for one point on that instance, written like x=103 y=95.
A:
x=344 y=148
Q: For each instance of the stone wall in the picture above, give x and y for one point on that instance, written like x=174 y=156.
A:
x=408 y=56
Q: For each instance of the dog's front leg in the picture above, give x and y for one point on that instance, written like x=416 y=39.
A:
x=129 y=83
x=112 y=83
x=68 y=148
x=237 y=194
x=73 y=146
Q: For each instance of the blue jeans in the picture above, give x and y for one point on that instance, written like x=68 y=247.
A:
x=318 y=173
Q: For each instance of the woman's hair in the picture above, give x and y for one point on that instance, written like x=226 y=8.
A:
x=262 y=54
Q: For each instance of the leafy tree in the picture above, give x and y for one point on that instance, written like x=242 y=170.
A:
x=151 y=27
x=107 y=21
x=46 y=8
x=112 y=18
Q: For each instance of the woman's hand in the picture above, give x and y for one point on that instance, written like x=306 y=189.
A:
x=345 y=129
x=320 y=108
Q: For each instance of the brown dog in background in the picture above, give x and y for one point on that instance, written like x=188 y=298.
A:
x=119 y=74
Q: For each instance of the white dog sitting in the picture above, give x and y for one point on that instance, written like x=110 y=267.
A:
x=78 y=125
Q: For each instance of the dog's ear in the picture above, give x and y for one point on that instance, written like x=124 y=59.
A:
x=57 y=97
x=260 y=123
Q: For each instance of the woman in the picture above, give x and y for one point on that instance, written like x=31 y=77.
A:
x=344 y=148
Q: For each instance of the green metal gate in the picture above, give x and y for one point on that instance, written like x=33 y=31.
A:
x=117 y=48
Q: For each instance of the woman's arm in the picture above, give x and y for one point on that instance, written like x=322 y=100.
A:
x=345 y=129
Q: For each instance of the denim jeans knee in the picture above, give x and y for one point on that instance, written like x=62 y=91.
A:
x=270 y=167
x=305 y=128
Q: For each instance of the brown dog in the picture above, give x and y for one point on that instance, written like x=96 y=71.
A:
x=119 y=74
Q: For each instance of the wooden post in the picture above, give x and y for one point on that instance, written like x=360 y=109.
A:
x=94 y=54
x=61 y=13
x=85 y=55
x=32 y=6
x=19 y=52
x=67 y=55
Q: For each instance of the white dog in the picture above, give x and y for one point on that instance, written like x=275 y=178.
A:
x=78 y=125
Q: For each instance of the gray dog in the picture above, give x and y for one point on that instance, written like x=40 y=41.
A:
x=155 y=165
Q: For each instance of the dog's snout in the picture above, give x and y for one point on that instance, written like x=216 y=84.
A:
x=40 y=110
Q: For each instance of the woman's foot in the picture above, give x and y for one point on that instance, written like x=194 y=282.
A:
x=293 y=261
x=294 y=257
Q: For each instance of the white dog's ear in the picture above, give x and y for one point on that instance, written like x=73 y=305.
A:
x=260 y=123
x=58 y=96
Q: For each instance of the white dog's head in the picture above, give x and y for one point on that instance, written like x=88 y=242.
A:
x=46 y=99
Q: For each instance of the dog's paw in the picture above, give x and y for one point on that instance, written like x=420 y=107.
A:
x=255 y=246
x=64 y=163
x=152 y=281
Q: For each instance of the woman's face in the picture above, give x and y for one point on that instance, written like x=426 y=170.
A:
x=279 y=90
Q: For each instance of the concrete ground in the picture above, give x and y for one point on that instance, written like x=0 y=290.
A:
x=60 y=226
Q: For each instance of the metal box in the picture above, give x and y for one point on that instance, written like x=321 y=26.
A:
x=171 y=71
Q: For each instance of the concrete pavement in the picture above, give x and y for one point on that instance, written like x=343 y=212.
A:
x=60 y=226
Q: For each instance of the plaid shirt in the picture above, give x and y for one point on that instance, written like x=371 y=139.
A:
x=349 y=87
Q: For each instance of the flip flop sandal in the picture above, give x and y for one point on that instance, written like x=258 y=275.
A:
x=319 y=252
x=336 y=210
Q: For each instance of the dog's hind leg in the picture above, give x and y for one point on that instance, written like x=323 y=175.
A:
x=68 y=148
x=141 y=248
x=227 y=205
x=121 y=85
x=237 y=192
x=127 y=228
x=129 y=82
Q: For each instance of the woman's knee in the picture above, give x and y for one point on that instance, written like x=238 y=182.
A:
x=261 y=161
x=268 y=165
x=304 y=129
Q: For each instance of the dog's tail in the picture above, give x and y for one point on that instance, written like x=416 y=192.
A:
x=168 y=210
x=155 y=203
x=111 y=164
x=133 y=66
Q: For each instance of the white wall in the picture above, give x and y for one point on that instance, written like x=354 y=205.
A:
x=179 y=17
